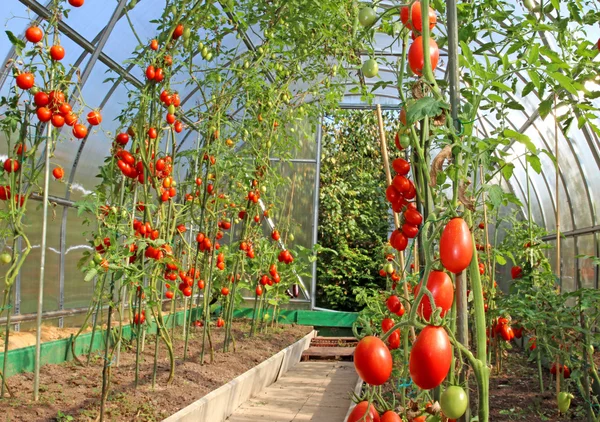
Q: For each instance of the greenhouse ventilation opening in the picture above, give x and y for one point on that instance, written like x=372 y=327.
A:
x=197 y=178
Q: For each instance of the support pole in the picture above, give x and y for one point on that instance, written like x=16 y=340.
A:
x=388 y=176
x=557 y=216
x=315 y=234
x=40 y=305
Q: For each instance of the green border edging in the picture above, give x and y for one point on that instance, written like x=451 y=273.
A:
x=59 y=351
x=313 y=318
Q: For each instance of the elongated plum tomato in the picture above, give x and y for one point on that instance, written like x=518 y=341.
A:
x=393 y=304
x=516 y=272
x=390 y=416
x=442 y=290
x=359 y=413
x=456 y=247
x=373 y=361
x=370 y=68
x=401 y=166
x=430 y=357
x=454 y=402
x=416 y=59
x=387 y=324
x=416 y=19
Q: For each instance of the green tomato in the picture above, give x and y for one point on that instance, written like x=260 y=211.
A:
x=171 y=109
x=97 y=258
x=187 y=33
x=529 y=4
x=389 y=268
x=404 y=141
x=263 y=189
x=291 y=237
x=367 y=17
x=5 y=258
x=370 y=68
x=564 y=401
x=454 y=402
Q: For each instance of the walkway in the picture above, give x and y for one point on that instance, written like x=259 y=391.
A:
x=310 y=391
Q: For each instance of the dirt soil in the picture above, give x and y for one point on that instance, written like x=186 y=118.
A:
x=69 y=392
x=515 y=394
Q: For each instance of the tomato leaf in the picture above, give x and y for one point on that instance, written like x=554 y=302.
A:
x=495 y=195
x=507 y=170
x=521 y=138
x=425 y=107
x=535 y=163
x=545 y=107
x=563 y=81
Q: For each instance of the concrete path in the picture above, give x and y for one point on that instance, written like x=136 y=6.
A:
x=310 y=391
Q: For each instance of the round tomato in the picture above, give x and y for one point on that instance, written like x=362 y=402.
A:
x=359 y=413
x=442 y=290
x=412 y=216
x=41 y=99
x=76 y=3
x=409 y=230
x=367 y=17
x=5 y=258
x=401 y=166
x=416 y=59
x=57 y=52
x=25 y=80
x=58 y=173
x=456 y=246
x=80 y=131
x=401 y=183
x=454 y=402
x=398 y=240
x=430 y=357
x=370 y=68
x=154 y=45
x=34 y=34
x=94 y=118
x=390 y=416
x=416 y=20
x=373 y=361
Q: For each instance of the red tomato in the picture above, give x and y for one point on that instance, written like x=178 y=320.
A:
x=224 y=291
x=516 y=272
x=41 y=99
x=393 y=304
x=178 y=31
x=154 y=45
x=11 y=165
x=409 y=230
x=416 y=59
x=456 y=246
x=220 y=322
x=430 y=357
x=390 y=416
x=58 y=173
x=394 y=340
x=398 y=240
x=25 y=80
x=416 y=19
x=57 y=52
x=80 y=131
x=506 y=332
x=150 y=72
x=401 y=166
x=412 y=216
x=442 y=290
x=34 y=34
x=392 y=194
x=169 y=294
x=359 y=413
x=94 y=118
x=373 y=361
x=401 y=183
x=76 y=3
x=387 y=324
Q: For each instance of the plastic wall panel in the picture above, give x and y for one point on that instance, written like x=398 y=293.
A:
x=567 y=249
x=587 y=270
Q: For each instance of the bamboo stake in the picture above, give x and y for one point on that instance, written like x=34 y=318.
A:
x=557 y=216
x=388 y=176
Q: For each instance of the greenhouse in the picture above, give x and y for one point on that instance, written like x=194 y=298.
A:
x=225 y=211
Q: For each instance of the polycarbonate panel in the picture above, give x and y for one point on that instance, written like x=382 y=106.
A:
x=587 y=269
x=519 y=172
x=551 y=254
x=567 y=254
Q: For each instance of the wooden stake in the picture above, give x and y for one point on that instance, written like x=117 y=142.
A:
x=388 y=176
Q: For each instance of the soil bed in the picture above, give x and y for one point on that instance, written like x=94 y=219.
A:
x=515 y=394
x=72 y=390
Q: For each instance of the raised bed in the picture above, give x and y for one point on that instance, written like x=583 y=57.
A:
x=222 y=402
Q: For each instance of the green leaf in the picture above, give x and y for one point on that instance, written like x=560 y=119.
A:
x=535 y=163
x=425 y=107
x=534 y=54
x=18 y=43
x=495 y=195
x=500 y=259
x=545 y=107
x=563 y=81
x=507 y=170
x=521 y=138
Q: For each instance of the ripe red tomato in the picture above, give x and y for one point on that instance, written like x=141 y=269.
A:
x=178 y=32
x=150 y=72
x=392 y=194
x=398 y=240
x=4 y=193
x=154 y=45
x=373 y=361
x=224 y=291
x=25 y=80
x=220 y=322
x=57 y=52
x=152 y=133
x=58 y=173
x=401 y=166
x=76 y=3
x=442 y=290
x=71 y=119
x=34 y=34
x=416 y=19
x=394 y=340
x=390 y=416
x=122 y=139
x=58 y=120
x=430 y=357
x=178 y=127
x=387 y=324
x=416 y=59
x=359 y=413
x=393 y=304
x=159 y=76
x=409 y=230
x=506 y=332
x=456 y=246
x=516 y=272
x=169 y=294
x=401 y=184
x=43 y=114
x=41 y=99
x=11 y=165
x=94 y=118
x=412 y=216
x=80 y=131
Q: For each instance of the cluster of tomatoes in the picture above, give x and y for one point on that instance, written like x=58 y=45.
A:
x=413 y=21
x=501 y=327
x=266 y=281
x=172 y=101
x=205 y=244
